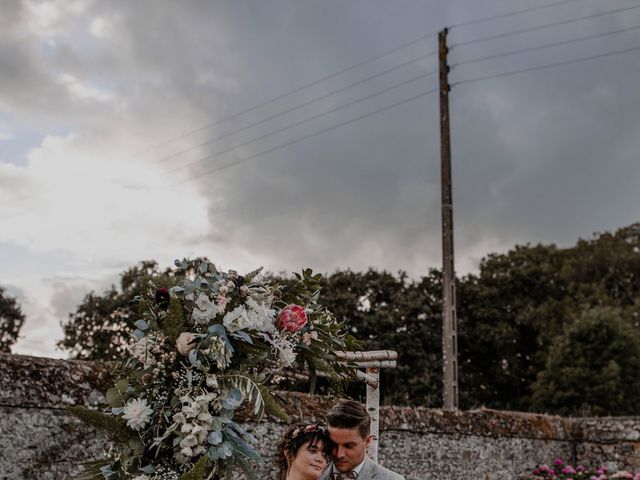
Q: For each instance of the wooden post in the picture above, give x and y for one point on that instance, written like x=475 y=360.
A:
x=372 y=361
x=449 y=327
x=373 y=407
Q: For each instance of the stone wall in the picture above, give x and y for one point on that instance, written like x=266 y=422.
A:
x=41 y=441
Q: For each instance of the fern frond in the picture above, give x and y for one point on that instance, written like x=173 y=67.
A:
x=250 y=391
x=173 y=322
x=246 y=468
x=114 y=427
x=271 y=404
x=198 y=471
x=92 y=470
x=253 y=274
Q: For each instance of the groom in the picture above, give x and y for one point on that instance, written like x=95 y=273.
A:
x=349 y=429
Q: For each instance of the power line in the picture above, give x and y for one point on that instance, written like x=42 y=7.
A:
x=295 y=90
x=314 y=117
x=340 y=72
x=510 y=14
x=550 y=65
x=541 y=27
x=540 y=47
x=306 y=137
x=296 y=107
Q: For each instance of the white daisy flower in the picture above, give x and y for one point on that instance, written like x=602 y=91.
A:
x=137 y=413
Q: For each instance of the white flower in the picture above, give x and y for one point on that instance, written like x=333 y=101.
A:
x=212 y=381
x=179 y=418
x=187 y=452
x=206 y=418
x=141 y=350
x=287 y=356
x=198 y=450
x=220 y=353
x=141 y=477
x=233 y=320
x=260 y=294
x=191 y=409
x=206 y=310
x=200 y=433
x=307 y=337
x=261 y=317
x=137 y=413
x=252 y=316
x=189 y=441
x=205 y=400
x=185 y=343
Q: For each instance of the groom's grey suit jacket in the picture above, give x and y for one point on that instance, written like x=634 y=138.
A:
x=369 y=471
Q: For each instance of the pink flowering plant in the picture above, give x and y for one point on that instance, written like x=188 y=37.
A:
x=560 y=470
x=208 y=343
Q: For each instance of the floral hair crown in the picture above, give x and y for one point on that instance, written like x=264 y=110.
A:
x=311 y=428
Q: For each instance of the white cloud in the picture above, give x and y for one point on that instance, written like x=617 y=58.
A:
x=101 y=27
x=82 y=203
x=47 y=19
x=84 y=91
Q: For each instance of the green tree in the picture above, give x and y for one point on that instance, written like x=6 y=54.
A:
x=506 y=316
x=593 y=368
x=509 y=314
x=11 y=321
x=95 y=331
x=389 y=312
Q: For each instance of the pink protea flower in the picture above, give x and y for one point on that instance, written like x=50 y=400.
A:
x=292 y=318
x=569 y=470
x=558 y=461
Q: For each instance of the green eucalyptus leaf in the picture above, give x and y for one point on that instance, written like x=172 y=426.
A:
x=141 y=324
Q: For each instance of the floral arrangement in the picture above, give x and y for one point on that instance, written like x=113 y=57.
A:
x=206 y=344
x=559 y=470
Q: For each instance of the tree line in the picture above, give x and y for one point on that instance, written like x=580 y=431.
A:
x=540 y=328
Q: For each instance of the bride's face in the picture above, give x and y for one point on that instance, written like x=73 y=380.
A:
x=309 y=462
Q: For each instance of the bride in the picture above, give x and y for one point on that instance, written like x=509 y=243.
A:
x=303 y=452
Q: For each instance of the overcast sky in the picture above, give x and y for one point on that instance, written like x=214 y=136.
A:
x=108 y=110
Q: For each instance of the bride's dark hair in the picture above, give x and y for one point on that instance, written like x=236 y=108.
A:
x=296 y=436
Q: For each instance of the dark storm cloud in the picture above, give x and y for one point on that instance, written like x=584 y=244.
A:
x=543 y=156
x=537 y=156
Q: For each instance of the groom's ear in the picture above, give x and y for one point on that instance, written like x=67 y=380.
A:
x=367 y=441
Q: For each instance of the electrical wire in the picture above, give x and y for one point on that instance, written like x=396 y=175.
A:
x=294 y=108
x=550 y=65
x=341 y=71
x=540 y=47
x=541 y=27
x=292 y=92
x=306 y=120
x=306 y=137
x=510 y=14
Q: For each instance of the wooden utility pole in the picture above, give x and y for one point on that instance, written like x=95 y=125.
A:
x=449 y=322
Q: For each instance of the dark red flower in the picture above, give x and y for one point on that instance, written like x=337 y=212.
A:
x=163 y=297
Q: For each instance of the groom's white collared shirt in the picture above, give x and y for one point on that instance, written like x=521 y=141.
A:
x=335 y=472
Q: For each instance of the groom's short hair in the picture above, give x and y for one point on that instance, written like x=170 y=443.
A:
x=350 y=414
